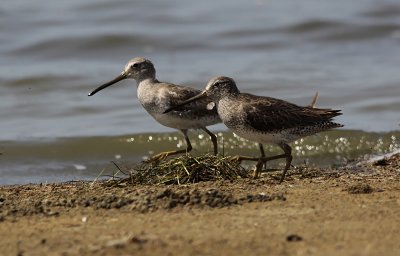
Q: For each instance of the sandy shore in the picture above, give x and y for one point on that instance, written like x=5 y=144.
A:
x=348 y=211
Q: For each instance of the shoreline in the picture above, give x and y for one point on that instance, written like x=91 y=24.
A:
x=316 y=211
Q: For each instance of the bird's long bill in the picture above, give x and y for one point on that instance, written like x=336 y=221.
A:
x=122 y=76
x=197 y=97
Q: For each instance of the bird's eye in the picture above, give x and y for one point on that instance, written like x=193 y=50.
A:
x=135 y=65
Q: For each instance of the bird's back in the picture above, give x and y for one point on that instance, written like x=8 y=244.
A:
x=265 y=115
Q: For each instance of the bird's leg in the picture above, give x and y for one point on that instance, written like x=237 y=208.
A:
x=166 y=154
x=249 y=158
x=244 y=158
x=263 y=160
x=288 y=155
x=213 y=139
x=261 y=150
x=260 y=162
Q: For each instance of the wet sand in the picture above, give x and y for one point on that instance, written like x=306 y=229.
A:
x=344 y=211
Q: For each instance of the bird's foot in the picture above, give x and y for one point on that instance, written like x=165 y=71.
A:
x=163 y=155
x=259 y=166
x=159 y=157
x=256 y=174
x=236 y=159
x=243 y=158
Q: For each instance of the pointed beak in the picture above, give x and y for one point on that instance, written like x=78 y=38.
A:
x=122 y=76
x=197 y=97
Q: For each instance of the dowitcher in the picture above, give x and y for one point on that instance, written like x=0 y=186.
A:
x=264 y=119
x=156 y=97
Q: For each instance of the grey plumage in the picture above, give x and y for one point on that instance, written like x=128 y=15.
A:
x=156 y=97
x=264 y=119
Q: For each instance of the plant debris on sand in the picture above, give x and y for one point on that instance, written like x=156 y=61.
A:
x=221 y=217
x=185 y=169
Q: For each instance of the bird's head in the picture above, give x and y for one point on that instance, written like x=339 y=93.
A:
x=137 y=68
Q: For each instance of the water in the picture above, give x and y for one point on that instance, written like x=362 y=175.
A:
x=53 y=53
x=57 y=160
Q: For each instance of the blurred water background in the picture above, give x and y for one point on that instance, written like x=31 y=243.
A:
x=54 y=52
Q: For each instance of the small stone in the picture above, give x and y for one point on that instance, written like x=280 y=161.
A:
x=294 y=238
x=382 y=162
x=360 y=189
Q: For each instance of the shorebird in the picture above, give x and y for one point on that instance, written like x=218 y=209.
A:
x=156 y=97
x=264 y=119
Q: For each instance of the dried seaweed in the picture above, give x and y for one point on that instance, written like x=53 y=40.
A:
x=185 y=169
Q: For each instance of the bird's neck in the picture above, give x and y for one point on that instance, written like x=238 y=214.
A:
x=231 y=95
x=226 y=98
x=146 y=81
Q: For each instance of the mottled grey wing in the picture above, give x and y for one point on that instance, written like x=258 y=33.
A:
x=178 y=94
x=269 y=114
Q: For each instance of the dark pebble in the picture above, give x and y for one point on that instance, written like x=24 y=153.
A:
x=294 y=238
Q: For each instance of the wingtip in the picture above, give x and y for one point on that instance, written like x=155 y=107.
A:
x=338 y=125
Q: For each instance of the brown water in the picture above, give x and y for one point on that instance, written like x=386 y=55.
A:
x=53 y=53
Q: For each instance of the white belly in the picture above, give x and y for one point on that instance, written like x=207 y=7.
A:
x=259 y=137
x=173 y=121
